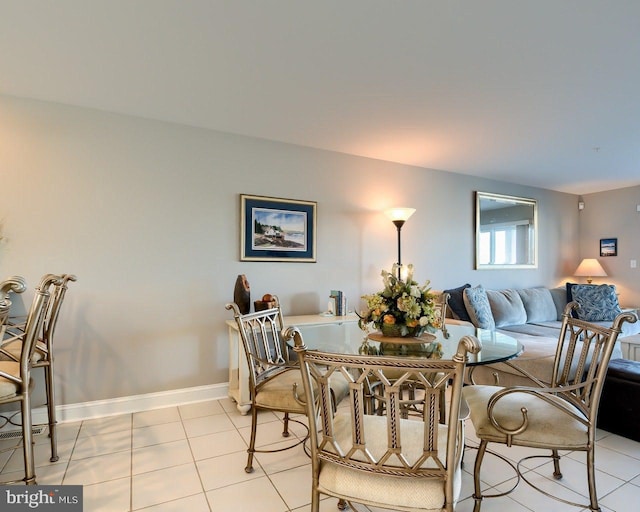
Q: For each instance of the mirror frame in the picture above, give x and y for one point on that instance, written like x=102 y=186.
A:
x=515 y=200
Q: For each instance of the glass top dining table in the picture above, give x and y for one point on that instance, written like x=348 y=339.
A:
x=496 y=346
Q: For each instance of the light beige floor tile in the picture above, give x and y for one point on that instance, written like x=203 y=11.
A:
x=155 y=417
x=151 y=458
x=112 y=496
x=494 y=470
x=226 y=470
x=326 y=505
x=164 y=485
x=195 y=503
x=156 y=434
x=503 y=504
x=622 y=445
x=281 y=461
x=207 y=425
x=102 y=444
x=574 y=477
x=213 y=445
x=294 y=485
x=269 y=433
x=245 y=421
x=5 y=456
x=228 y=405
x=68 y=431
x=41 y=455
x=199 y=409
x=622 y=498
x=99 y=469
x=52 y=474
x=256 y=495
x=106 y=425
x=529 y=497
x=612 y=462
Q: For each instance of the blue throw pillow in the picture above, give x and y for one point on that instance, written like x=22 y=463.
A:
x=598 y=303
x=479 y=308
x=456 y=303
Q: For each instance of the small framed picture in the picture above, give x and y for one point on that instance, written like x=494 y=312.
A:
x=608 y=247
x=274 y=229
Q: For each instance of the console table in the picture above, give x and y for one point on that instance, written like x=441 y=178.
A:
x=339 y=329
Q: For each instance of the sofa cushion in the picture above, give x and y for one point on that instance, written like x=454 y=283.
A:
x=539 y=305
x=559 y=296
x=477 y=304
x=533 y=330
x=507 y=307
x=597 y=302
x=456 y=303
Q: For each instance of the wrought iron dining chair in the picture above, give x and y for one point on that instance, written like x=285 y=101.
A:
x=559 y=417
x=384 y=461
x=273 y=373
x=15 y=376
x=441 y=306
x=43 y=356
x=15 y=284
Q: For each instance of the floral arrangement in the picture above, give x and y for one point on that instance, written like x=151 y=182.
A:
x=403 y=308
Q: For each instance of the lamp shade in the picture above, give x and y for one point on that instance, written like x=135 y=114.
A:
x=401 y=214
x=590 y=267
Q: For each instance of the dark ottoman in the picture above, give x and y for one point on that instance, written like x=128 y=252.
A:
x=620 y=402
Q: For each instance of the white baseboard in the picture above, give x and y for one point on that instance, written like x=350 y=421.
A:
x=135 y=403
x=124 y=405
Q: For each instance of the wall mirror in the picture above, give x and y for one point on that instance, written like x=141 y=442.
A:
x=506 y=231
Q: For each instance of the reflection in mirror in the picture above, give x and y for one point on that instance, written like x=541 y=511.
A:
x=506 y=231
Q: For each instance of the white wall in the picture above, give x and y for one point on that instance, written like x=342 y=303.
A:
x=613 y=214
x=147 y=215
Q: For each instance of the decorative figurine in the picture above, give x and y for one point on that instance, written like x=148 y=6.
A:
x=242 y=294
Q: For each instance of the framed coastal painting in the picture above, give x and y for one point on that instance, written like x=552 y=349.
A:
x=608 y=247
x=275 y=229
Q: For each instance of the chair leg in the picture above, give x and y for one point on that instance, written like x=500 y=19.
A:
x=591 y=478
x=342 y=504
x=252 y=442
x=477 y=492
x=27 y=441
x=285 y=432
x=51 y=410
x=557 y=474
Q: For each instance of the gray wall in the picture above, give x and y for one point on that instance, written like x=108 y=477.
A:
x=147 y=215
x=613 y=214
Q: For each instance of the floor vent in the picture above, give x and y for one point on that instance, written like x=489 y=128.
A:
x=13 y=434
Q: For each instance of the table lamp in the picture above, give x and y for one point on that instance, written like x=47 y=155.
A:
x=589 y=268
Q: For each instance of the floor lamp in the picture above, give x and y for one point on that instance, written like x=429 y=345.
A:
x=399 y=216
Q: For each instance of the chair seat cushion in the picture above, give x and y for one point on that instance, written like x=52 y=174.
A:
x=385 y=490
x=549 y=426
x=277 y=392
x=14 y=347
x=9 y=388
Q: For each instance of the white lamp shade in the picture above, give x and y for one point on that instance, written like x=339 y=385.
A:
x=590 y=267
x=400 y=213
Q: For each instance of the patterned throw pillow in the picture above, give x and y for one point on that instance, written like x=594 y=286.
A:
x=477 y=303
x=598 y=303
x=456 y=303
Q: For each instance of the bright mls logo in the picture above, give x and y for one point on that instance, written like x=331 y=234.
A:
x=54 y=498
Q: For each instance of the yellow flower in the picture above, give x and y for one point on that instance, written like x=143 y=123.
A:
x=412 y=323
x=389 y=319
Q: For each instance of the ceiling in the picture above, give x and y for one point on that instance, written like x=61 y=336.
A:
x=540 y=92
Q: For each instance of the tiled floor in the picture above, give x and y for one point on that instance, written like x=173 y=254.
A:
x=191 y=458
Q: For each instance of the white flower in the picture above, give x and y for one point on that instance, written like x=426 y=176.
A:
x=424 y=321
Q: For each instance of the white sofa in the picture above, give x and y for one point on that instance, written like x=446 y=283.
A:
x=534 y=317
